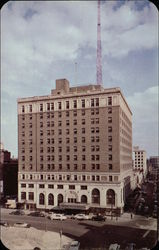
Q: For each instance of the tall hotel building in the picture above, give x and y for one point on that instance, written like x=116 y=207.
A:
x=75 y=148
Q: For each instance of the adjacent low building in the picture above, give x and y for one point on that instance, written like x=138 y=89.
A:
x=75 y=147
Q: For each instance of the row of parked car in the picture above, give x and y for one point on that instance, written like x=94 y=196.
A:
x=57 y=216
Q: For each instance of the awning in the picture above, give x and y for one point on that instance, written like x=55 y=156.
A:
x=76 y=206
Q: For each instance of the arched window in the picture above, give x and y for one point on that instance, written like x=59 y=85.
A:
x=59 y=199
x=50 y=199
x=83 y=199
x=41 y=199
x=111 y=197
x=95 y=196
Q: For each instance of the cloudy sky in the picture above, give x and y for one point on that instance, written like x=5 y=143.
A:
x=42 y=41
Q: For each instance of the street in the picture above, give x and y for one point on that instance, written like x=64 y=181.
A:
x=92 y=234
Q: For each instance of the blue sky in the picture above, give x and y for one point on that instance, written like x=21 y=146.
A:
x=42 y=40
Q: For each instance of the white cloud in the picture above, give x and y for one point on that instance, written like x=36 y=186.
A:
x=144 y=107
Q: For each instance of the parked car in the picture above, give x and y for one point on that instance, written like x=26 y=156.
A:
x=146 y=209
x=98 y=218
x=18 y=212
x=74 y=245
x=3 y=223
x=81 y=217
x=21 y=224
x=114 y=246
x=37 y=214
x=154 y=214
x=57 y=217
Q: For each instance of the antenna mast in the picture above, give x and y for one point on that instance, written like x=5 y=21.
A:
x=99 y=50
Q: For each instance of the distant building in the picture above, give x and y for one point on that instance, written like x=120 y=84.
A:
x=139 y=160
x=153 y=164
x=8 y=174
x=75 y=147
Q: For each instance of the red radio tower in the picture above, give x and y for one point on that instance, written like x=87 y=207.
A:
x=99 y=49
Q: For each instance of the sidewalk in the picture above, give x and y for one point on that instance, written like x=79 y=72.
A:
x=137 y=221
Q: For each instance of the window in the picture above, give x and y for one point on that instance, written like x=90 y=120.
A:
x=109 y=138
x=75 y=139
x=41 y=157
x=41 y=199
x=83 y=103
x=93 y=166
x=59 y=114
x=67 y=131
x=67 y=113
x=110 y=147
x=75 y=177
x=31 y=196
x=109 y=129
x=109 y=119
x=97 y=120
x=110 y=178
x=41 y=107
x=59 y=123
x=68 y=166
x=41 y=124
x=92 y=102
x=93 y=178
x=74 y=122
x=23 y=195
x=41 y=166
x=83 y=177
x=41 y=141
x=75 y=148
x=75 y=113
x=60 y=131
x=67 y=157
x=71 y=187
x=75 y=157
x=23 y=109
x=50 y=186
x=23 y=158
x=83 y=148
x=60 y=166
x=67 y=149
x=97 y=111
x=41 y=116
x=59 y=186
x=92 y=130
x=83 y=121
x=92 y=111
x=52 y=123
x=60 y=140
x=93 y=157
x=60 y=157
x=83 y=139
x=75 y=103
x=48 y=115
x=67 y=122
x=75 y=166
x=92 y=139
x=83 y=157
x=110 y=166
x=97 y=157
x=83 y=166
x=75 y=131
x=92 y=148
x=97 y=130
x=41 y=186
x=41 y=132
x=83 y=187
x=110 y=157
x=48 y=106
x=97 y=102
x=48 y=157
x=30 y=108
x=30 y=142
x=67 y=104
x=67 y=140
x=109 y=100
x=109 y=110
x=23 y=185
x=97 y=178
x=50 y=199
x=23 y=117
x=83 y=112
x=30 y=125
x=31 y=158
x=97 y=138
x=98 y=166
x=83 y=130
x=52 y=106
x=97 y=148
x=30 y=117
x=59 y=105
